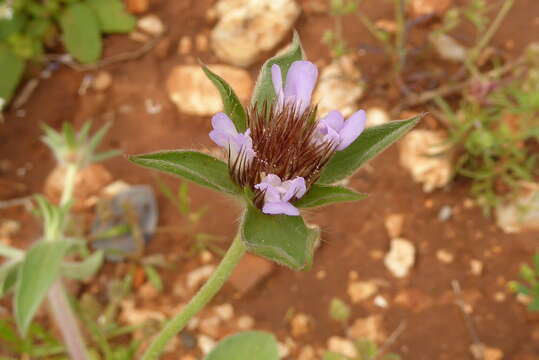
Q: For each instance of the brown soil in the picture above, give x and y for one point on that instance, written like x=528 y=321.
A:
x=351 y=232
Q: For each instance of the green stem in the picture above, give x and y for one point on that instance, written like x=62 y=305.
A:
x=69 y=184
x=11 y=252
x=400 y=35
x=203 y=297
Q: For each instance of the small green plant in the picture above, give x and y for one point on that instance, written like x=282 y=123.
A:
x=531 y=276
x=339 y=310
x=29 y=27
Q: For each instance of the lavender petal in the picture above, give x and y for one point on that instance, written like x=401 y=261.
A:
x=300 y=82
x=353 y=127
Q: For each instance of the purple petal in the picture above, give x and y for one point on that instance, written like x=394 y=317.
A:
x=223 y=129
x=300 y=82
x=277 y=79
x=295 y=188
x=281 y=207
x=333 y=119
x=353 y=127
x=269 y=186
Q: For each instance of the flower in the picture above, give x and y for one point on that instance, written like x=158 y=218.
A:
x=224 y=134
x=335 y=129
x=278 y=193
x=283 y=150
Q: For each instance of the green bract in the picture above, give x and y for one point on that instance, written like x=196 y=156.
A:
x=244 y=346
x=287 y=240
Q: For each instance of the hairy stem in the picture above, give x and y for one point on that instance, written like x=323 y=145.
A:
x=204 y=295
x=66 y=321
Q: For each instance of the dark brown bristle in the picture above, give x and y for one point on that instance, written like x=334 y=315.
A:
x=285 y=145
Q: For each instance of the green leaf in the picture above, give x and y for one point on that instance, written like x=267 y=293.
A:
x=338 y=310
x=153 y=277
x=81 y=32
x=334 y=356
x=8 y=276
x=369 y=144
x=536 y=263
x=112 y=16
x=39 y=270
x=200 y=168
x=243 y=346
x=320 y=195
x=233 y=107
x=280 y=238
x=264 y=92
x=11 y=70
x=12 y=26
x=83 y=270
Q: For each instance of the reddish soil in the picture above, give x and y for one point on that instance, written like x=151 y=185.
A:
x=352 y=233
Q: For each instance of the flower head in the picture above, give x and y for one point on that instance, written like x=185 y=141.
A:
x=284 y=149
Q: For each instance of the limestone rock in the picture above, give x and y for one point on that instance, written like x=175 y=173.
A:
x=197 y=276
x=394 y=224
x=419 y=8
x=339 y=87
x=448 y=48
x=246 y=29
x=151 y=24
x=377 y=116
x=193 y=93
x=300 y=324
x=342 y=346
x=368 y=328
x=425 y=155
x=400 y=258
x=361 y=290
x=521 y=213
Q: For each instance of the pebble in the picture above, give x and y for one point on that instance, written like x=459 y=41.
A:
x=102 y=81
x=377 y=116
x=201 y=41
x=394 y=224
x=206 y=344
x=370 y=328
x=307 y=353
x=476 y=267
x=9 y=228
x=509 y=215
x=137 y=6
x=448 y=48
x=197 y=276
x=245 y=322
x=400 y=258
x=445 y=213
x=185 y=45
x=420 y=8
x=206 y=257
x=342 y=346
x=282 y=350
x=151 y=24
x=445 y=256
x=147 y=292
x=381 y=301
x=300 y=324
x=210 y=326
x=224 y=311
x=359 y=291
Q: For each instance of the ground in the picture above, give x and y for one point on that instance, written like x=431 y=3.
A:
x=353 y=234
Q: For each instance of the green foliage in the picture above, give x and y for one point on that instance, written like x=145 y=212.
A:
x=338 y=310
x=85 y=269
x=491 y=137
x=264 y=92
x=530 y=275
x=372 y=142
x=231 y=103
x=200 y=168
x=39 y=270
x=243 y=346
x=29 y=27
x=37 y=343
x=320 y=195
x=280 y=238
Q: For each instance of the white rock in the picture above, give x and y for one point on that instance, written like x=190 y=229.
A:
x=394 y=224
x=151 y=24
x=249 y=28
x=381 y=301
x=245 y=322
x=225 y=311
x=102 y=81
x=448 y=48
x=376 y=116
x=193 y=93
x=342 y=346
x=521 y=213
x=339 y=87
x=300 y=324
x=428 y=159
x=206 y=343
x=115 y=188
x=445 y=256
x=476 y=267
x=197 y=276
x=368 y=328
x=307 y=353
x=210 y=326
x=9 y=227
x=283 y=350
x=400 y=258
x=361 y=290
x=133 y=316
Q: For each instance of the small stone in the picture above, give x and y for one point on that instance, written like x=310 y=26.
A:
x=251 y=271
x=197 y=276
x=147 y=292
x=342 y=346
x=139 y=36
x=448 y=48
x=206 y=256
x=445 y=256
x=206 y=343
x=381 y=301
x=201 y=41
x=340 y=87
x=510 y=216
x=193 y=93
x=300 y=324
x=476 y=267
x=210 y=326
x=307 y=353
x=9 y=228
x=185 y=45
x=500 y=297
x=493 y=354
x=282 y=350
x=524 y=299
x=133 y=316
x=400 y=258
x=137 y=6
x=394 y=224
x=368 y=328
x=420 y=8
x=445 y=213
x=427 y=156
x=320 y=275
x=377 y=116
x=413 y=299
x=151 y=24
x=245 y=322
x=102 y=81
x=361 y=290
x=468 y=203
x=353 y=275
x=225 y=312
x=247 y=29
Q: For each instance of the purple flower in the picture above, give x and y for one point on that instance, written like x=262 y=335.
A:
x=335 y=129
x=299 y=85
x=224 y=134
x=278 y=193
